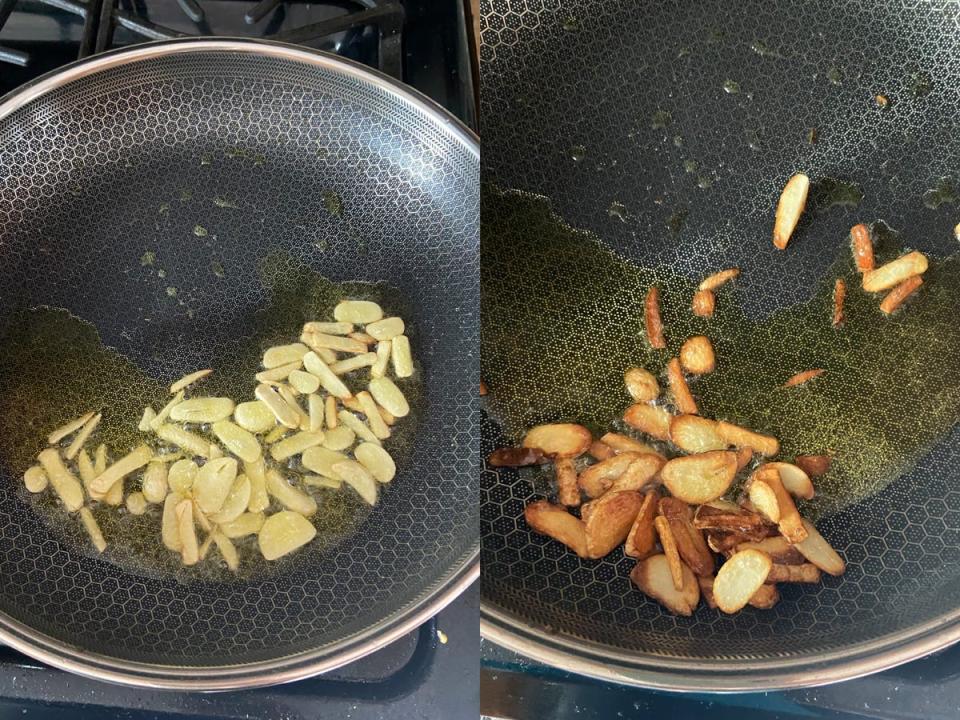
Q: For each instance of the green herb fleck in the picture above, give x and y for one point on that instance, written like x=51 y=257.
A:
x=942 y=193
x=677 y=220
x=331 y=202
x=920 y=84
x=731 y=87
x=661 y=119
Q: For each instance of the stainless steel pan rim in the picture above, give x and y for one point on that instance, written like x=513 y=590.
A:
x=240 y=677
x=302 y=665
x=723 y=676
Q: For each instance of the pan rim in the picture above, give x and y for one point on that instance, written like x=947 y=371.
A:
x=464 y=572
x=722 y=676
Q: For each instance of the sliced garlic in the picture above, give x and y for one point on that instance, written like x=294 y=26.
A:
x=289 y=496
x=331 y=383
x=161 y=417
x=358 y=426
x=402 y=357
x=321 y=461
x=236 y=503
x=136 y=503
x=340 y=438
x=188 y=380
x=241 y=443
x=169 y=528
x=184 y=439
x=322 y=482
x=359 y=478
x=379 y=368
x=329 y=328
x=360 y=312
x=363 y=337
x=254 y=416
x=154 y=482
x=304 y=382
x=295 y=444
x=86 y=470
x=148 y=415
x=337 y=342
x=385 y=329
x=247 y=524
x=377 y=460
x=64 y=483
x=202 y=410
x=284 y=414
x=342 y=367
x=61 y=432
x=213 y=483
x=181 y=477
x=133 y=460
x=374 y=420
x=275 y=435
x=82 y=437
x=386 y=393
x=227 y=549
x=189 y=550
x=278 y=373
x=257 y=474
x=100 y=460
x=93 y=529
x=284 y=532
x=35 y=479
x=284 y=355
x=114 y=496
x=315 y=410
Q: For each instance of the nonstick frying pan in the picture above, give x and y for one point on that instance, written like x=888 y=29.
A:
x=143 y=191
x=627 y=144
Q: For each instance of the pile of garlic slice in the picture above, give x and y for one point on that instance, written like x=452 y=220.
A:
x=224 y=469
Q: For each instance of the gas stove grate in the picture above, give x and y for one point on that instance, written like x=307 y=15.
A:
x=102 y=17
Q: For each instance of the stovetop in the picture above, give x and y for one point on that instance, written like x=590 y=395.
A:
x=515 y=688
x=430 y=672
x=421 y=42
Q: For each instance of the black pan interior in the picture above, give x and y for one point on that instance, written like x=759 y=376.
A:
x=164 y=203
x=660 y=136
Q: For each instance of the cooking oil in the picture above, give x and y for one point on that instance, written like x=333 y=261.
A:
x=563 y=318
x=55 y=367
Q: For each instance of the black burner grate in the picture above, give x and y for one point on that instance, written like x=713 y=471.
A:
x=102 y=17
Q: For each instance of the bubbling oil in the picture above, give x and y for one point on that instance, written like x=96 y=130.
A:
x=563 y=318
x=55 y=366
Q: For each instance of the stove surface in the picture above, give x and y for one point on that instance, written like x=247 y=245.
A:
x=515 y=688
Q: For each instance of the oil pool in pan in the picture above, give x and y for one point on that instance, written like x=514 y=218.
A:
x=558 y=334
x=55 y=366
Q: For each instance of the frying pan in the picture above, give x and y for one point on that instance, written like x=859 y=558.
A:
x=630 y=144
x=322 y=168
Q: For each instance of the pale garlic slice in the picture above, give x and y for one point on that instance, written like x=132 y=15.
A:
x=377 y=461
x=240 y=442
x=284 y=532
